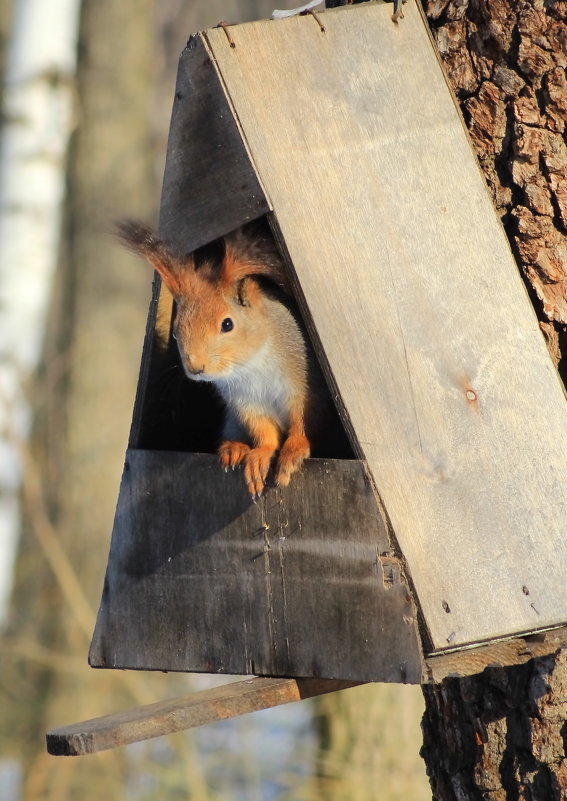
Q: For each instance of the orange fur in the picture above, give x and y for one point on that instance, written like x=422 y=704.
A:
x=258 y=360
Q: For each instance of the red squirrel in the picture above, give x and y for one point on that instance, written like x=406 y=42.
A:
x=235 y=327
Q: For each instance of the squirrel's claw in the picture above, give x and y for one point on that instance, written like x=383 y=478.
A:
x=256 y=463
x=292 y=455
x=256 y=467
x=231 y=454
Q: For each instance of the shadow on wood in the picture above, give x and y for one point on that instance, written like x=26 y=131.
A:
x=300 y=584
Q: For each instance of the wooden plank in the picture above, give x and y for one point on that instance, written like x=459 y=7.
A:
x=402 y=266
x=238 y=698
x=176 y=714
x=516 y=651
x=302 y=584
x=208 y=175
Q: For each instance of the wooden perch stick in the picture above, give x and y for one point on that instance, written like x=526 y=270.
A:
x=250 y=695
x=185 y=712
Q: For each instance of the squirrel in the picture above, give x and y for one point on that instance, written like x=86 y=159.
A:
x=236 y=326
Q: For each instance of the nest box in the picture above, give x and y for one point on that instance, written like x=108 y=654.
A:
x=443 y=531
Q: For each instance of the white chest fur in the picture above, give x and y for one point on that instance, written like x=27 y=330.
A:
x=259 y=385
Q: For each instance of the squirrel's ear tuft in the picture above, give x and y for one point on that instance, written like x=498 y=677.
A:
x=136 y=235
x=141 y=239
x=249 y=253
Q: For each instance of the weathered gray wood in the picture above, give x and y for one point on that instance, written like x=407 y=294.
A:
x=302 y=584
x=402 y=265
x=208 y=174
x=517 y=651
x=176 y=714
x=238 y=698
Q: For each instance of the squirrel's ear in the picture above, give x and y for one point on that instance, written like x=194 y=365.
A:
x=143 y=240
x=247 y=291
x=246 y=255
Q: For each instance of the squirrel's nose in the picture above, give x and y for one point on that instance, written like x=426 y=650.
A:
x=192 y=368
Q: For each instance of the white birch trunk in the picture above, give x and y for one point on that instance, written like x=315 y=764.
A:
x=38 y=117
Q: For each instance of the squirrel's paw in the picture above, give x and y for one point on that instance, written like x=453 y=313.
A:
x=256 y=466
x=293 y=452
x=231 y=454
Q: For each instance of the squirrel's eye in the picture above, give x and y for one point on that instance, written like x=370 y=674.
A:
x=173 y=334
x=226 y=325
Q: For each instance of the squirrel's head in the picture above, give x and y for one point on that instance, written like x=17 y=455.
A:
x=221 y=318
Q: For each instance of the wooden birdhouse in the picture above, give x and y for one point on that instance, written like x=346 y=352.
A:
x=433 y=542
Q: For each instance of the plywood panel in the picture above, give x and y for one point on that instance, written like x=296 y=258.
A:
x=411 y=286
x=301 y=584
x=209 y=187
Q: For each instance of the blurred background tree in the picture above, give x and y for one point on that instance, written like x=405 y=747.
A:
x=82 y=398
x=507 y=65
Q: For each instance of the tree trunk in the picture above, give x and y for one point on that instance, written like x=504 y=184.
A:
x=502 y=734
x=369 y=742
x=499 y=735
x=506 y=62
x=37 y=110
x=82 y=401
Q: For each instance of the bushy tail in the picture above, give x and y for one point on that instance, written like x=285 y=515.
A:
x=143 y=240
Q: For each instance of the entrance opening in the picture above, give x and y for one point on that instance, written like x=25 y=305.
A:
x=174 y=413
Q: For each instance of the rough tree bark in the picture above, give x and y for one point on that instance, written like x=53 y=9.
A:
x=500 y=735
x=506 y=61
x=503 y=734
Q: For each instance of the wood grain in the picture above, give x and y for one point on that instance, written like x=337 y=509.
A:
x=402 y=264
x=176 y=714
x=302 y=584
x=516 y=651
x=210 y=186
x=238 y=698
